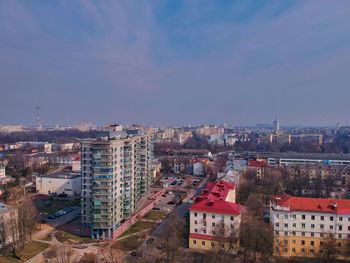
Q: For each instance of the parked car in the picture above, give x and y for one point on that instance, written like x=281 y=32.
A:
x=63 y=195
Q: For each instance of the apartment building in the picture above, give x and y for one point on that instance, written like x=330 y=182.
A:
x=303 y=226
x=215 y=218
x=8 y=224
x=116 y=171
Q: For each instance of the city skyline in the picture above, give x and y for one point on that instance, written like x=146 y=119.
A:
x=174 y=63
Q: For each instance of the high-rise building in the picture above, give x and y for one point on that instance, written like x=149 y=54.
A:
x=116 y=171
x=276 y=125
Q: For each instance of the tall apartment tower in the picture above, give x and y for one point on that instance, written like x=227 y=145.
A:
x=276 y=125
x=116 y=171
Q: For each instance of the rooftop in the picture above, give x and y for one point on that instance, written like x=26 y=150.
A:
x=213 y=198
x=65 y=174
x=320 y=205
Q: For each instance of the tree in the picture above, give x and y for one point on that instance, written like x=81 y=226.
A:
x=64 y=254
x=328 y=249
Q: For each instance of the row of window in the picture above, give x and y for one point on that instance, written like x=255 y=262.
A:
x=312 y=217
x=213 y=216
x=312 y=226
x=203 y=243
x=293 y=233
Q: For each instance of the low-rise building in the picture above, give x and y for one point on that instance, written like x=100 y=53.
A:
x=304 y=227
x=8 y=224
x=215 y=218
x=63 y=182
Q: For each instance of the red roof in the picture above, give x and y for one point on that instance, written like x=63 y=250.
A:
x=212 y=199
x=320 y=205
x=217 y=206
x=217 y=190
x=254 y=163
x=76 y=158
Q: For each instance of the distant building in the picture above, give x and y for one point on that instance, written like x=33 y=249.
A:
x=259 y=167
x=3 y=178
x=302 y=138
x=304 y=227
x=8 y=224
x=63 y=182
x=276 y=125
x=76 y=164
x=215 y=218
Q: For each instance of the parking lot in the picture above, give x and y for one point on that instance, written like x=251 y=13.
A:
x=61 y=218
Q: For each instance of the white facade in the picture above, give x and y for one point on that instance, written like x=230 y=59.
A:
x=70 y=185
x=2 y=171
x=198 y=169
x=207 y=223
x=76 y=165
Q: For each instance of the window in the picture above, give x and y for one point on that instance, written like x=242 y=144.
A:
x=196 y=230
x=286 y=216
x=348 y=228
x=293 y=250
x=277 y=224
x=294 y=216
x=293 y=241
x=212 y=244
x=312 y=234
x=322 y=218
x=302 y=250
x=321 y=234
x=302 y=234
x=341 y=218
x=277 y=233
x=285 y=225
x=339 y=244
x=232 y=218
x=312 y=243
x=293 y=233
x=204 y=215
x=277 y=215
x=302 y=242
x=195 y=222
x=340 y=228
x=285 y=242
x=311 y=251
x=302 y=216
x=294 y=225
x=195 y=214
x=194 y=241
x=203 y=243
x=204 y=231
x=322 y=226
x=330 y=227
x=303 y=225
x=213 y=232
x=321 y=243
x=212 y=216
x=285 y=233
x=213 y=224
x=312 y=217
x=331 y=218
x=339 y=235
x=312 y=226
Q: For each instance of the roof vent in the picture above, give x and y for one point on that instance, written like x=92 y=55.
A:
x=334 y=206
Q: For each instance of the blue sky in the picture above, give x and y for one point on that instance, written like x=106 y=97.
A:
x=175 y=62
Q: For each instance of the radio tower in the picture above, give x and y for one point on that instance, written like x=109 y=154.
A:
x=38 y=121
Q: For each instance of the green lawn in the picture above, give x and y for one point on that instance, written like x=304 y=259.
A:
x=129 y=243
x=51 y=206
x=155 y=215
x=65 y=237
x=140 y=225
x=31 y=249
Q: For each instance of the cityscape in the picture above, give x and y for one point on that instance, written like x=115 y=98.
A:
x=174 y=131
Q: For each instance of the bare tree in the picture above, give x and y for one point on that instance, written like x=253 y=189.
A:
x=64 y=254
x=328 y=249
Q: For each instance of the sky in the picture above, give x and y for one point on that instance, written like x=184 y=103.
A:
x=175 y=62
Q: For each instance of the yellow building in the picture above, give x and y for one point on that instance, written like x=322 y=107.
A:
x=307 y=227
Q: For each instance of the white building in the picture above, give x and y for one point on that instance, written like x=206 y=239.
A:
x=64 y=182
x=199 y=169
x=301 y=225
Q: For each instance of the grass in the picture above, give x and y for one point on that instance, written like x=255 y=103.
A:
x=155 y=215
x=31 y=249
x=129 y=243
x=137 y=227
x=51 y=206
x=65 y=237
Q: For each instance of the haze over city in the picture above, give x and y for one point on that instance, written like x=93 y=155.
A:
x=175 y=62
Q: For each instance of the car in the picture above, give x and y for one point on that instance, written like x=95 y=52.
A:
x=63 y=195
x=155 y=208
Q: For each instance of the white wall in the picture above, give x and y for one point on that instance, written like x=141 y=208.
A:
x=47 y=185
